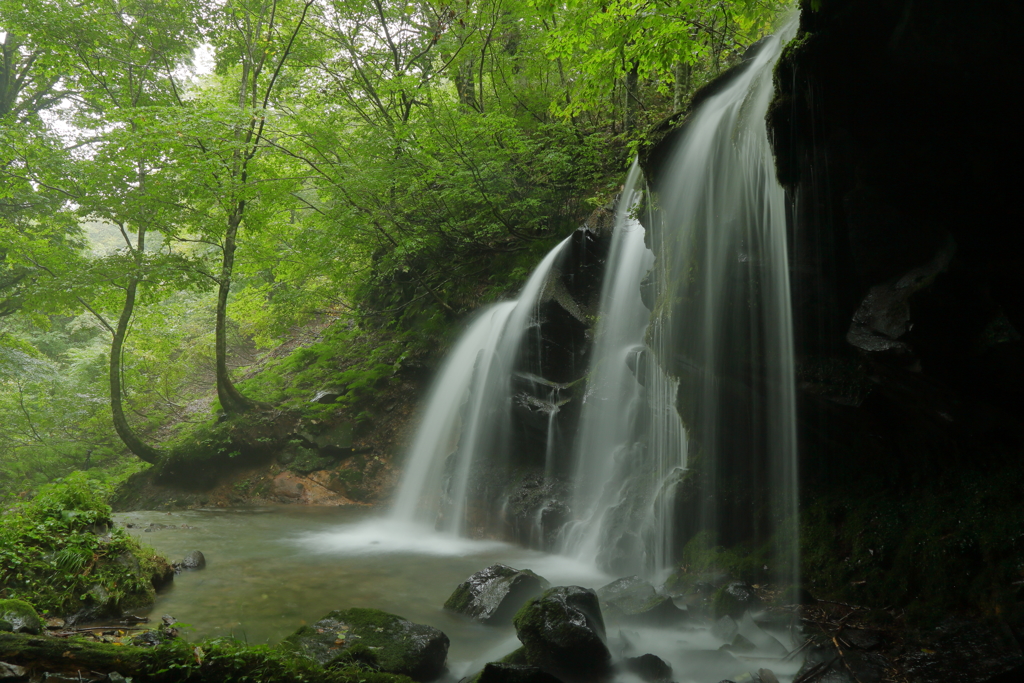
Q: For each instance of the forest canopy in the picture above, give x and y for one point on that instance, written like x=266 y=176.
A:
x=193 y=191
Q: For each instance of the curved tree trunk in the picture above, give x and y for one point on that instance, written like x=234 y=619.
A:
x=124 y=430
x=231 y=400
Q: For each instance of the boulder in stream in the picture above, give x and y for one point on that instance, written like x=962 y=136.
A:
x=563 y=633
x=734 y=599
x=500 y=672
x=374 y=638
x=649 y=667
x=193 y=559
x=495 y=594
x=632 y=600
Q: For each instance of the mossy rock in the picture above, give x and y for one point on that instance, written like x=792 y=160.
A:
x=563 y=633
x=20 y=616
x=734 y=599
x=493 y=595
x=374 y=639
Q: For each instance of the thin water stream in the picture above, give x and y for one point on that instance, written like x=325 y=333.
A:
x=271 y=570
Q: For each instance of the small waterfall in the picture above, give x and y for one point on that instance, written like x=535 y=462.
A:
x=630 y=438
x=723 y=323
x=466 y=419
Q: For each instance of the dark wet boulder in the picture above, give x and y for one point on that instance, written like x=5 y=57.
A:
x=648 y=667
x=375 y=639
x=20 y=616
x=633 y=600
x=500 y=672
x=495 y=594
x=563 y=633
x=734 y=599
x=193 y=559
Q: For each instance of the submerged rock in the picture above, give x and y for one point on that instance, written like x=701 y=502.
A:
x=633 y=600
x=563 y=633
x=500 y=672
x=495 y=594
x=374 y=638
x=20 y=616
x=648 y=667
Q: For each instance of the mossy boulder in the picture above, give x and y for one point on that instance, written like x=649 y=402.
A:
x=495 y=594
x=633 y=600
x=374 y=639
x=563 y=633
x=20 y=617
x=734 y=599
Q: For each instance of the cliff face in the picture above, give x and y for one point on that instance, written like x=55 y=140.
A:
x=897 y=137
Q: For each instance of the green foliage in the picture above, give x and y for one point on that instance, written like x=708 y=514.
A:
x=60 y=552
x=953 y=544
x=703 y=555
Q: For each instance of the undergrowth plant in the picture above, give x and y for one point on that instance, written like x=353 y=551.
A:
x=61 y=552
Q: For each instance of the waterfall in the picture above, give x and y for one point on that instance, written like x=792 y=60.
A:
x=686 y=431
x=718 y=352
x=466 y=419
x=723 y=323
x=629 y=437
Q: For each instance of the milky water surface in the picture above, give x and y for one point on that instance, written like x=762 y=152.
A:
x=270 y=570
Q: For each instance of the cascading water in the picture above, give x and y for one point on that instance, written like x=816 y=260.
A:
x=722 y=322
x=629 y=437
x=467 y=413
x=715 y=355
x=720 y=353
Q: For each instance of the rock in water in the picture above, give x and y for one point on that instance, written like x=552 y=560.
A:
x=374 y=638
x=21 y=617
x=633 y=600
x=498 y=672
x=649 y=667
x=735 y=599
x=563 y=632
x=495 y=594
x=193 y=560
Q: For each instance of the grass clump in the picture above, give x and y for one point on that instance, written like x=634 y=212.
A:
x=61 y=552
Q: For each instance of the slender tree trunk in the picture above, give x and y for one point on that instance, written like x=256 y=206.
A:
x=231 y=400
x=124 y=430
x=681 y=71
x=632 y=98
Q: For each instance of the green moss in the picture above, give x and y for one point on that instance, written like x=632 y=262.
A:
x=307 y=460
x=179 y=661
x=359 y=635
x=20 y=617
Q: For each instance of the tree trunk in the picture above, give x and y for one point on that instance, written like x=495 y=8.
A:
x=681 y=71
x=632 y=98
x=231 y=400
x=124 y=430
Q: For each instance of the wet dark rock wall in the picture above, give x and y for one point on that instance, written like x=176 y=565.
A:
x=897 y=137
x=511 y=497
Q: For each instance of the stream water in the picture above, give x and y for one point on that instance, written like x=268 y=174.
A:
x=271 y=570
